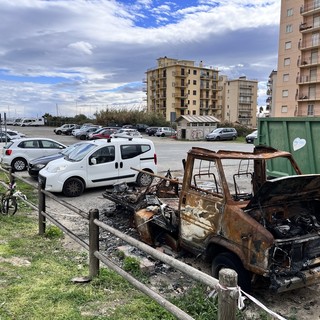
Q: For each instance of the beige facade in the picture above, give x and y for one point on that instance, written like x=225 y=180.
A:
x=241 y=101
x=178 y=87
x=298 y=79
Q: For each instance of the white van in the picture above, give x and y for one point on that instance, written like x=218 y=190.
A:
x=35 y=122
x=98 y=163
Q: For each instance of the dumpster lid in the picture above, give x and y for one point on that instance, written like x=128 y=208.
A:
x=291 y=188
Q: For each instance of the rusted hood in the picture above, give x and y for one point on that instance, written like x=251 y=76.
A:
x=286 y=189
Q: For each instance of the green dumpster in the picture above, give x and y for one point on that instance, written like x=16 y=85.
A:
x=300 y=136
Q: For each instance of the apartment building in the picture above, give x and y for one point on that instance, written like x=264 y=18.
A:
x=298 y=80
x=240 y=101
x=271 y=93
x=180 y=87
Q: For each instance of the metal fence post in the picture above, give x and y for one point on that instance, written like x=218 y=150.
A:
x=93 y=243
x=41 y=208
x=227 y=302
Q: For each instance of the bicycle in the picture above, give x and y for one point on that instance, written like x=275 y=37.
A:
x=9 y=204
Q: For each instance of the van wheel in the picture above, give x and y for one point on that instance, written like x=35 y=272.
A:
x=163 y=135
x=231 y=261
x=144 y=179
x=58 y=132
x=234 y=138
x=73 y=187
x=19 y=164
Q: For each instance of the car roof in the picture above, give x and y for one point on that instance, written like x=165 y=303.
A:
x=99 y=142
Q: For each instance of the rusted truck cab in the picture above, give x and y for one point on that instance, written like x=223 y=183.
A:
x=231 y=214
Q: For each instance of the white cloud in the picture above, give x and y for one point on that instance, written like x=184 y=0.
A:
x=59 y=52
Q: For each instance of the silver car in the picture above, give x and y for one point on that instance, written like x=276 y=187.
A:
x=222 y=134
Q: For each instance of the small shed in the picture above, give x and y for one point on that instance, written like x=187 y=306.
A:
x=195 y=127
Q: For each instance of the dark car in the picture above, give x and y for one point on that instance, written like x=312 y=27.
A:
x=252 y=136
x=35 y=165
x=151 y=131
x=68 y=131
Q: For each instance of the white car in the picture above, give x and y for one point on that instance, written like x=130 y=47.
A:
x=18 y=152
x=165 y=132
x=127 y=133
x=98 y=163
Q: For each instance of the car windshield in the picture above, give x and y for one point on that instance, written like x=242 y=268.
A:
x=80 y=152
x=216 y=131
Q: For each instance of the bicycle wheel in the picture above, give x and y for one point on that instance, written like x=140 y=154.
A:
x=9 y=205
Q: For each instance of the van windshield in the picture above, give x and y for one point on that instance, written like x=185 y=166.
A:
x=80 y=152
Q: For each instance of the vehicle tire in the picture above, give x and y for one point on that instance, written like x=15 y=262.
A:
x=163 y=135
x=83 y=137
x=218 y=138
x=231 y=261
x=9 y=205
x=73 y=187
x=144 y=179
x=58 y=132
x=19 y=164
x=234 y=138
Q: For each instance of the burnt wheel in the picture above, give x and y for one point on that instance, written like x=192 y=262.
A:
x=144 y=179
x=19 y=164
x=231 y=261
x=73 y=187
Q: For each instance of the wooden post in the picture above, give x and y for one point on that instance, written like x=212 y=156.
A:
x=227 y=300
x=41 y=208
x=93 y=243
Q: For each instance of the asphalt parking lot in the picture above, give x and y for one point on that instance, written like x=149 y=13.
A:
x=170 y=152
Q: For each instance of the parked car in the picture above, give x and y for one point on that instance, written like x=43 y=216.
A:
x=64 y=127
x=83 y=127
x=35 y=165
x=222 y=134
x=127 y=133
x=99 y=163
x=68 y=131
x=151 y=131
x=165 y=131
x=82 y=134
x=18 y=152
x=141 y=127
x=101 y=134
x=252 y=136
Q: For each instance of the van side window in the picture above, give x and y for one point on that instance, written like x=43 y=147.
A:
x=104 y=155
x=133 y=150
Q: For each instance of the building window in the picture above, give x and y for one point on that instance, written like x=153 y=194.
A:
x=285 y=93
x=289 y=28
x=310 y=110
x=288 y=45
x=287 y=61
x=194 y=102
x=194 y=82
x=290 y=12
x=194 y=112
x=194 y=92
x=284 y=109
x=286 y=77
x=195 y=72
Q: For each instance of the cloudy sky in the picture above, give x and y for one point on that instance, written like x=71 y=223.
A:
x=66 y=57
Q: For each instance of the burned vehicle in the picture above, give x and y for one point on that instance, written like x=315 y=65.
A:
x=228 y=211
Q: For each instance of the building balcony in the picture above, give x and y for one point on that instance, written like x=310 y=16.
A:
x=205 y=98
x=180 y=85
x=306 y=97
x=179 y=106
x=310 y=8
x=204 y=107
x=180 y=95
x=179 y=74
x=307 y=79
x=308 y=44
